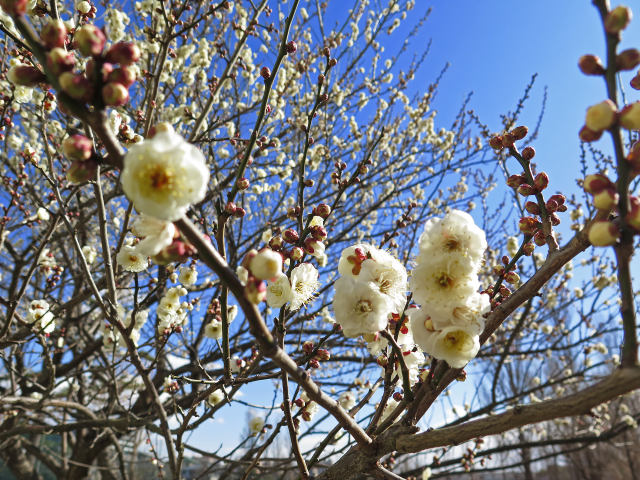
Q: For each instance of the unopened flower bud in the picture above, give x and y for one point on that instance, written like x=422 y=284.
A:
x=498 y=270
x=603 y=233
x=89 y=40
x=541 y=181
x=322 y=210
x=290 y=236
x=539 y=239
x=323 y=354
x=496 y=142
x=591 y=65
x=291 y=47
x=528 y=225
x=256 y=291
x=588 y=135
x=307 y=347
x=628 y=59
x=242 y=183
x=596 y=182
x=265 y=72
x=14 y=7
x=239 y=212
x=123 y=75
x=520 y=132
x=266 y=264
x=528 y=248
x=296 y=254
x=275 y=242
x=76 y=86
x=83 y=7
x=25 y=75
x=123 y=53
x=382 y=360
x=82 y=171
x=551 y=205
x=635 y=82
x=115 y=94
x=630 y=116
x=605 y=199
x=77 y=147
x=555 y=219
x=525 y=190
x=514 y=181
x=532 y=207
x=54 y=34
x=601 y=116
x=397 y=396
x=633 y=157
x=528 y=153
x=508 y=140
x=512 y=277
x=178 y=251
x=617 y=19
x=333 y=62
x=59 y=61
x=318 y=232
x=633 y=217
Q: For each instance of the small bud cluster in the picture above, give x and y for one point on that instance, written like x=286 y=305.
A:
x=84 y=163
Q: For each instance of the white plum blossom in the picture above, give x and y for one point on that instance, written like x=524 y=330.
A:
x=347 y=400
x=157 y=234
x=266 y=264
x=188 y=276
x=213 y=329
x=455 y=234
x=164 y=175
x=40 y=315
x=216 y=397
x=304 y=283
x=279 y=291
x=360 y=307
x=388 y=275
x=255 y=425
x=90 y=254
x=131 y=260
x=351 y=259
x=452 y=344
x=237 y=364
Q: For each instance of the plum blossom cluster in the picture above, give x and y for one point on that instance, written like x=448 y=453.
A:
x=41 y=317
x=371 y=289
x=445 y=283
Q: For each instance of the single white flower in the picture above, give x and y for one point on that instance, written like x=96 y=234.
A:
x=304 y=283
x=255 y=425
x=266 y=264
x=41 y=316
x=279 y=291
x=216 y=397
x=188 y=276
x=131 y=260
x=43 y=215
x=388 y=275
x=455 y=234
x=213 y=329
x=452 y=344
x=347 y=400
x=309 y=411
x=351 y=259
x=164 y=175
x=360 y=307
x=237 y=364
x=90 y=254
x=156 y=234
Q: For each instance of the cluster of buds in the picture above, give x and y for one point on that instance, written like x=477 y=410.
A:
x=507 y=140
x=84 y=163
x=234 y=210
x=532 y=226
x=604 y=115
x=111 y=71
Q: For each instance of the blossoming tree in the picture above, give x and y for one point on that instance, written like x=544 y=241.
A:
x=202 y=197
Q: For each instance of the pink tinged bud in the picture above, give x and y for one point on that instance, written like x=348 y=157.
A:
x=508 y=140
x=555 y=219
x=539 y=239
x=630 y=116
x=239 y=212
x=603 y=233
x=290 y=236
x=617 y=19
x=123 y=75
x=528 y=153
x=59 y=61
x=498 y=270
x=307 y=347
x=265 y=72
x=596 y=182
x=276 y=242
x=525 y=190
x=266 y=264
x=541 y=181
x=323 y=354
x=89 y=40
x=76 y=86
x=397 y=396
x=318 y=232
x=382 y=361
x=605 y=199
x=296 y=254
x=528 y=225
x=242 y=183
x=77 y=147
x=496 y=142
x=520 y=132
x=551 y=206
x=256 y=291
x=123 y=53
x=528 y=248
x=82 y=171
x=25 y=75
x=633 y=157
x=633 y=217
x=54 y=34
x=14 y=7
x=230 y=208
x=532 y=208
x=322 y=210
x=333 y=62
x=558 y=198
x=591 y=65
x=601 y=116
x=635 y=82
x=291 y=47
x=628 y=59
x=588 y=135
x=178 y=251
x=512 y=278
x=115 y=94
x=514 y=181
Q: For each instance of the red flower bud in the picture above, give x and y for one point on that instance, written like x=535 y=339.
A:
x=296 y=254
x=512 y=278
x=333 y=62
x=82 y=171
x=255 y=290
x=76 y=86
x=496 y=142
x=242 y=183
x=551 y=206
x=275 y=242
x=596 y=182
x=617 y=19
x=528 y=248
x=555 y=219
x=54 y=34
x=123 y=53
x=318 y=232
x=588 y=135
x=635 y=82
x=541 y=181
x=291 y=47
x=123 y=75
x=307 y=347
x=14 y=7
x=25 y=75
x=520 y=132
x=528 y=225
x=525 y=190
x=628 y=59
x=89 y=40
x=539 y=239
x=397 y=396
x=230 y=208
x=322 y=210
x=314 y=363
x=115 y=94
x=532 y=208
x=528 y=153
x=59 y=61
x=290 y=236
x=514 y=181
x=558 y=198
x=498 y=270
x=591 y=65
x=77 y=147
x=265 y=72
x=239 y=212
x=323 y=354
x=508 y=140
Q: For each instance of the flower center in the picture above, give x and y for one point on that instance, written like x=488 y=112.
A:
x=457 y=340
x=444 y=280
x=364 y=306
x=451 y=243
